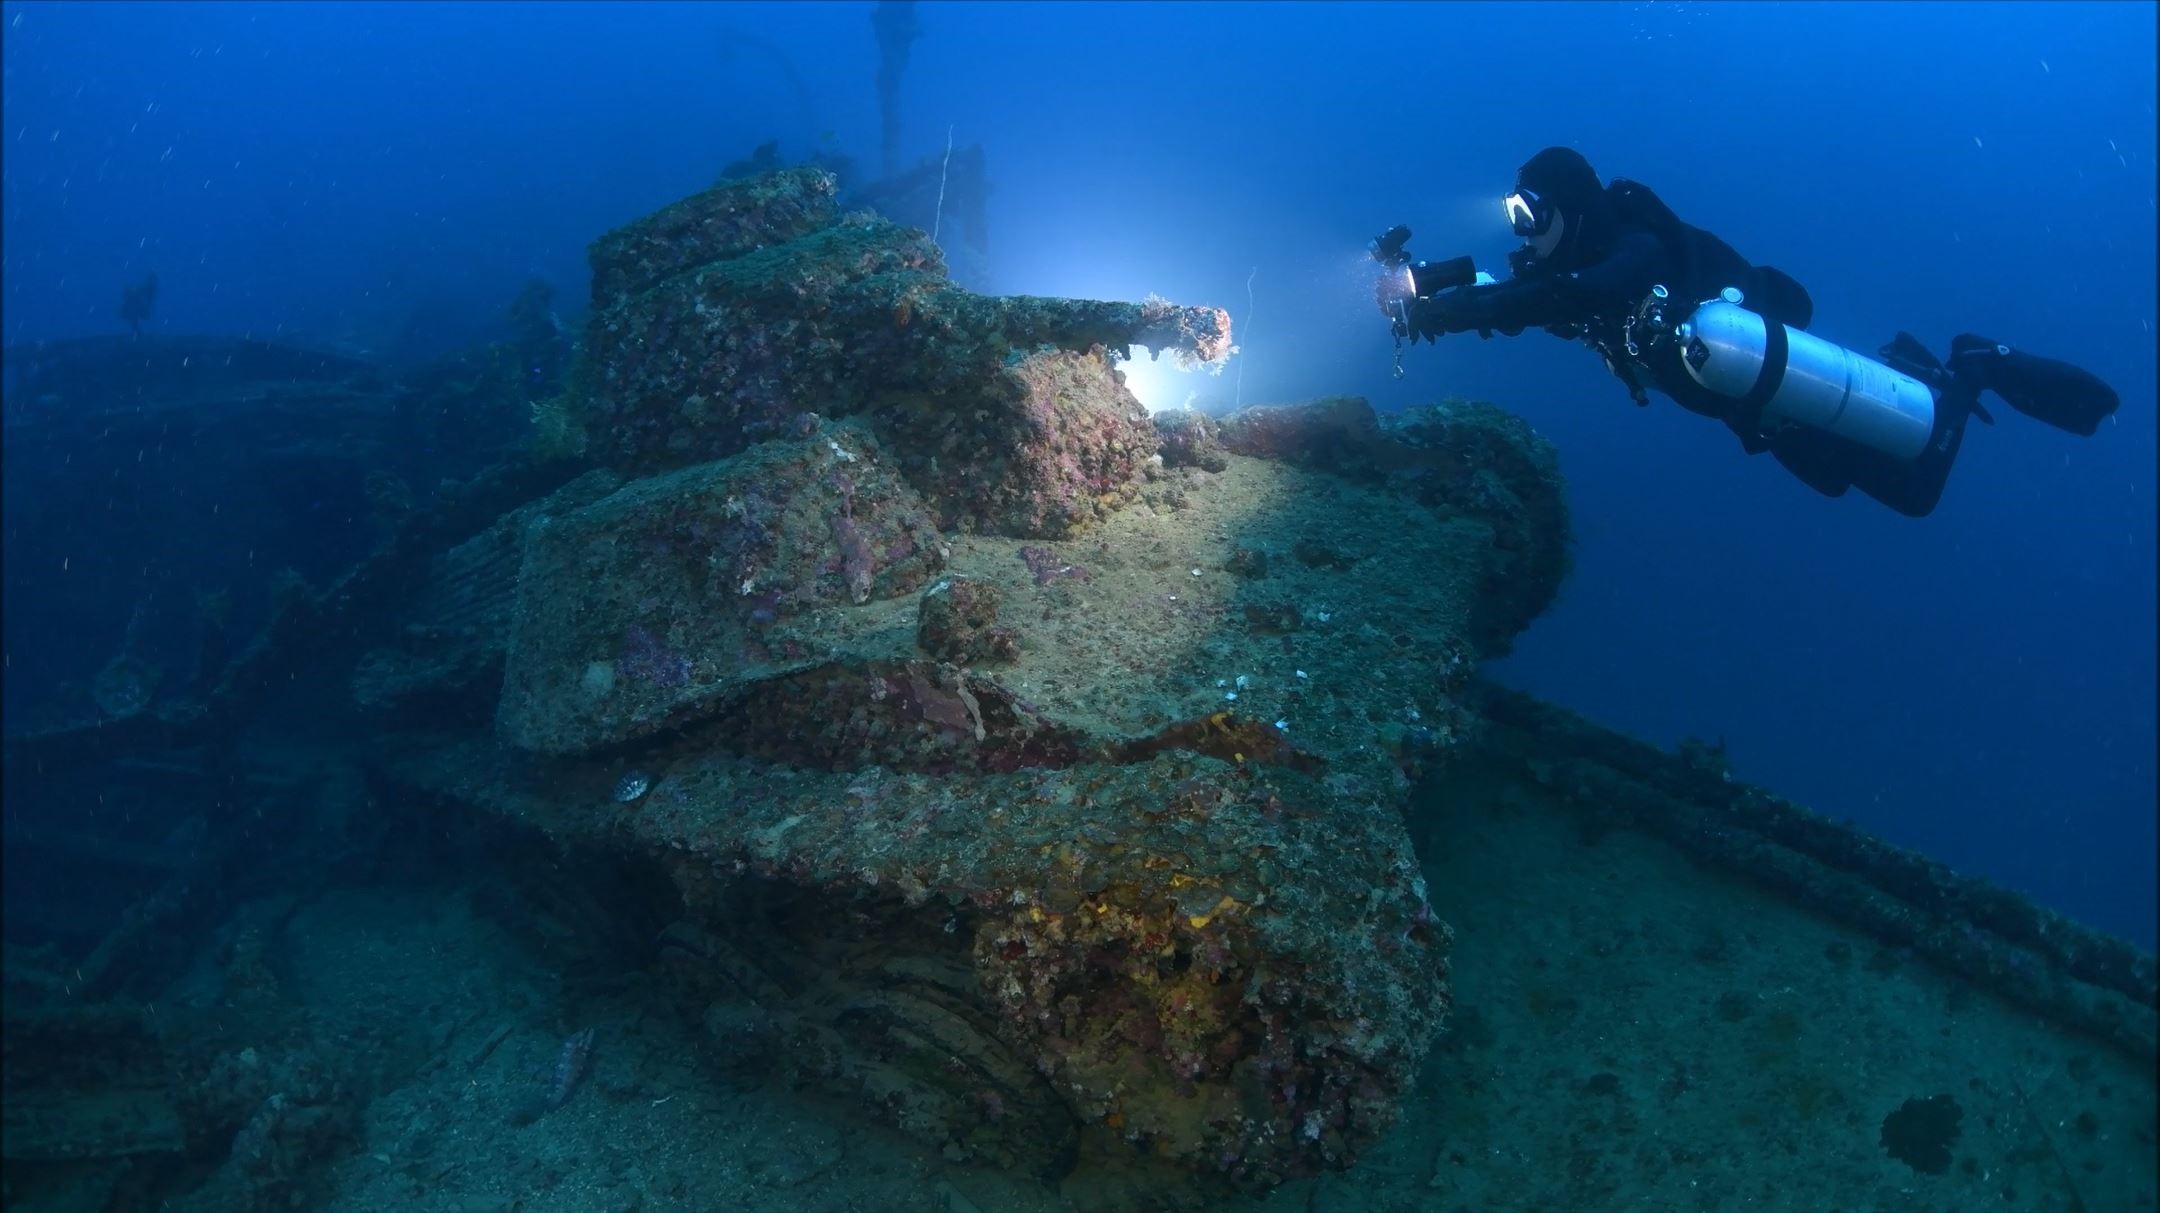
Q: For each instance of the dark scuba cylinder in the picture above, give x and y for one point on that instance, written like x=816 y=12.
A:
x=1799 y=379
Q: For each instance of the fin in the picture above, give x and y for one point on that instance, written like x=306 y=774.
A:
x=2067 y=397
x=1906 y=353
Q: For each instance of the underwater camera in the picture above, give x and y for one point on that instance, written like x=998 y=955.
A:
x=1408 y=279
x=1421 y=279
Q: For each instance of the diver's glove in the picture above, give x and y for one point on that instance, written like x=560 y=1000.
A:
x=1525 y=263
x=1456 y=311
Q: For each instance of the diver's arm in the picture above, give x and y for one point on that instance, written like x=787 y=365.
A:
x=1621 y=277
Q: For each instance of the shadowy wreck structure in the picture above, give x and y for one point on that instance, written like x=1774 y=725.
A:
x=911 y=715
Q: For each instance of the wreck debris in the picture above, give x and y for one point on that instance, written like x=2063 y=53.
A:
x=62 y=381
x=960 y=177
x=124 y=687
x=894 y=23
x=446 y=657
x=1997 y=940
x=110 y=1099
x=299 y=617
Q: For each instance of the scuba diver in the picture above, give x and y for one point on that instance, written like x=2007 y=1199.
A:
x=1673 y=307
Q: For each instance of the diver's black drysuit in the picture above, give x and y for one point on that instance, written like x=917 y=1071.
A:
x=1620 y=241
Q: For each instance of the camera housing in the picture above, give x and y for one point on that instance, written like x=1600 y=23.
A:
x=1387 y=248
x=1424 y=279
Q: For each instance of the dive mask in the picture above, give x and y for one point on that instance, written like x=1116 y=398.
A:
x=1528 y=214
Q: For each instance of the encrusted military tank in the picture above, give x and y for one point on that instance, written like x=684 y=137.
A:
x=1032 y=767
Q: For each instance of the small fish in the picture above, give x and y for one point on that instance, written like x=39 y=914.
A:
x=569 y=1068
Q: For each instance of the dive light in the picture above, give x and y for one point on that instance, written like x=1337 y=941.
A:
x=1423 y=279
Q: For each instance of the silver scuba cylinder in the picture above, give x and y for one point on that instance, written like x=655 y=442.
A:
x=1800 y=379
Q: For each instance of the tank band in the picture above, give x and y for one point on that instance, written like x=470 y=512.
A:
x=1776 y=350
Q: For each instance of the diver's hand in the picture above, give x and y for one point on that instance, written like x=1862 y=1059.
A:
x=1389 y=290
x=1453 y=311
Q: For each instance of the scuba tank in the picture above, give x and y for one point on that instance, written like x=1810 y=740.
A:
x=1795 y=378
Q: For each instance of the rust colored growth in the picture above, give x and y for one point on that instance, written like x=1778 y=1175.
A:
x=1206 y=332
x=1256 y=1067
x=945 y=702
x=1192 y=335
x=1227 y=736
